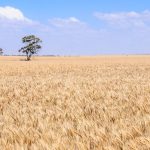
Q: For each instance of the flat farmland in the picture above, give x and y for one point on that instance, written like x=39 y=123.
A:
x=75 y=103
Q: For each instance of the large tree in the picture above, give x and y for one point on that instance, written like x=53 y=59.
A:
x=1 y=51
x=32 y=45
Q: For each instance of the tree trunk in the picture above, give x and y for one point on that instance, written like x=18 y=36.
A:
x=28 y=57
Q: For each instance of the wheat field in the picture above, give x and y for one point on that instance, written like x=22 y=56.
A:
x=75 y=103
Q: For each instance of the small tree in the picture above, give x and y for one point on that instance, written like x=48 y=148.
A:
x=1 y=51
x=32 y=46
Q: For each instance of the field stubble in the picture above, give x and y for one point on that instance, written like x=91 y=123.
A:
x=79 y=103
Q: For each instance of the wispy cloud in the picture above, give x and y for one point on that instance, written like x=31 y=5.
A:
x=70 y=22
x=125 y=19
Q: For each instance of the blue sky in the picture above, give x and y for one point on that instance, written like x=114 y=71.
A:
x=79 y=27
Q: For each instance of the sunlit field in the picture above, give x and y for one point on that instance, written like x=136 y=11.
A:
x=75 y=103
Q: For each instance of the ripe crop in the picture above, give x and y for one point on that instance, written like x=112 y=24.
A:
x=75 y=103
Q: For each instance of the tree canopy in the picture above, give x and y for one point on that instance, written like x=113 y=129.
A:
x=32 y=45
x=1 y=51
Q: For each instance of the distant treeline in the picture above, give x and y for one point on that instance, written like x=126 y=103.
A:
x=35 y=55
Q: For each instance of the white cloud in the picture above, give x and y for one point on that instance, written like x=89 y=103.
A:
x=12 y=15
x=14 y=19
x=126 y=19
x=69 y=22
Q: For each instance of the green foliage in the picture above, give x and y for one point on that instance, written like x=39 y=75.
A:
x=32 y=45
x=1 y=51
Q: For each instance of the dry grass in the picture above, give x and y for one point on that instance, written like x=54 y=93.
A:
x=80 y=103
